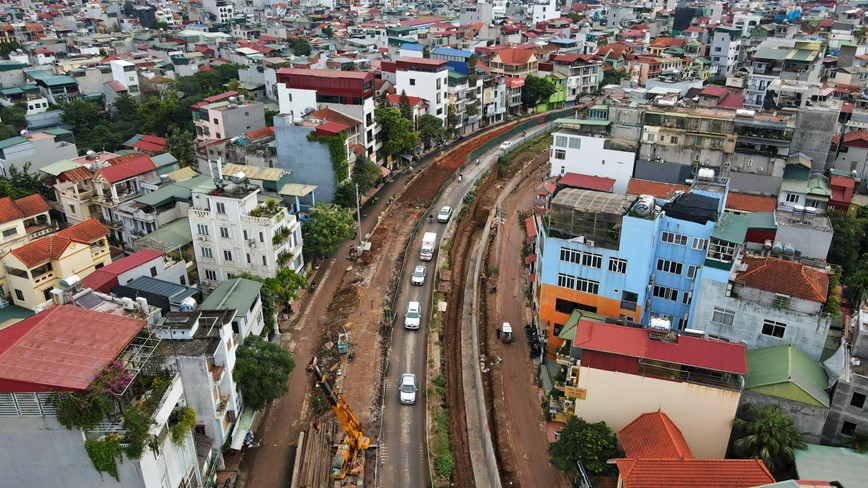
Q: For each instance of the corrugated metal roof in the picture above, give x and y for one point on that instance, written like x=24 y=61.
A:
x=237 y=294
x=255 y=172
x=296 y=190
x=785 y=372
x=731 y=228
x=175 y=292
x=168 y=237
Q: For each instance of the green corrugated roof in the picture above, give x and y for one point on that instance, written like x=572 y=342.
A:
x=236 y=294
x=169 y=237
x=762 y=220
x=12 y=141
x=842 y=464
x=786 y=372
x=771 y=53
x=178 y=192
x=54 y=169
x=731 y=228
x=582 y=122
x=57 y=132
x=164 y=160
x=568 y=331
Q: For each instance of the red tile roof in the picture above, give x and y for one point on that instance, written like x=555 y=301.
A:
x=653 y=188
x=586 y=182
x=750 y=203
x=653 y=435
x=856 y=135
x=63 y=348
x=263 y=133
x=21 y=208
x=127 y=166
x=515 y=56
x=732 y=101
x=52 y=247
x=395 y=99
x=693 y=473
x=689 y=351
x=76 y=174
x=334 y=116
x=117 y=86
x=784 y=277
x=107 y=275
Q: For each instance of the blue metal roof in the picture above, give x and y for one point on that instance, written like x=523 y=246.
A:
x=448 y=51
x=412 y=47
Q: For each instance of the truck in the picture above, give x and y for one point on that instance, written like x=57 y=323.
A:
x=429 y=243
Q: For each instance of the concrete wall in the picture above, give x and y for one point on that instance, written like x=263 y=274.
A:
x=841 y=410
x=664 y=172
x=703 y=414
x=811 y=242
x=805 y=332
x=809 y=419
x=814 y=129
x=310 y=162
x=593 y=159
x=754 y=183
x=237 y=121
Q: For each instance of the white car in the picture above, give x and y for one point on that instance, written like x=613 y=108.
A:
x=413 y=317
x=506 y=145
x=408 y=389
x=444 y=215
x=418 y=277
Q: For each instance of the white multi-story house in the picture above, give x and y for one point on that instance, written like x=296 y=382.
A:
x=424 y=78
x=724 y=50
x=125 y=73
x=576 y=150
x=542 y=10
x=233 y=232
x=782 y=59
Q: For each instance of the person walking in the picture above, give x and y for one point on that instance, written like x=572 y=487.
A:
x=497 y=332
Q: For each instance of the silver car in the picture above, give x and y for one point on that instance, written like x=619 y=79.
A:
x=408 y=389
x=444 y=215
x=418 y=277
x=413 y=317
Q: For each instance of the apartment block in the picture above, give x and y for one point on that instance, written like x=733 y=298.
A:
x=226 y=116
x=585 y=146
x=424 y=78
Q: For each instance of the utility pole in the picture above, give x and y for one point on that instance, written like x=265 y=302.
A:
x=359 y=215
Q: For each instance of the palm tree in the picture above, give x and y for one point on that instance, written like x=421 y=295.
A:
x=767 y=433
x=858 y=441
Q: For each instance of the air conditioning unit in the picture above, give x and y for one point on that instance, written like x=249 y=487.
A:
x=568 y=403
x=590 y=243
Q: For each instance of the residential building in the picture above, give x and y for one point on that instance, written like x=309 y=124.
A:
x=147 y=262
x=725 y=49
x=512 y=93
x=580 y=146
x=104 y=341
x=234 y=233
x=615 y=373
x=785 y=59
x=34 y=269
x=424 y=78
x=848 y=412
x=220 y=11
x=494 y=102
x=542 y=10
x=21 y=221
x=58 y=89
x=226 y=116
x=39 y=150
x=241 y=296
x=767 y=301
x=302 y=91
x=203 y=346
x=124 y=72
x=803 y=186
x=783 y=376
x=852 y=153
x=514 y=62
x=584 y=72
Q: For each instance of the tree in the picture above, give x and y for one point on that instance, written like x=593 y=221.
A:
x=158 y=115
x=160 y=25
x=405 y=107
x=451 y=120
x=182 y=145
x=14 y=116
x=590 y=444
x=767 y=433
x=366 y=173
x=396 y=131
x=613 y=77
x=858 y=441
x=345 y=195
x=8 y=47
x=536 y=89
x=328 y=226
x=81 y=115
x=328 y=31
x=262 y=369
x=383 y=99
x=472 y=61
x=430 y=129
x=300 y=46
x=846 y=246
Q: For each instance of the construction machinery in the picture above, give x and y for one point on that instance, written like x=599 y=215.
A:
x=350 y=457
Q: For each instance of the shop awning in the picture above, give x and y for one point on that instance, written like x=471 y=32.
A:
x=242 y=427
x=385 y=171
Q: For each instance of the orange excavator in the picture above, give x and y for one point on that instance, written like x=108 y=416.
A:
x=350 y=458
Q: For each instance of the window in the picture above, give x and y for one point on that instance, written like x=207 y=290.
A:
x=792 y=198
x=559 y=154
x=10 y=232
x=567 y=306
x=682 y=323
x=699 y=243
x=224 y=232
x=575 y=143
x=210 y=274
x=248 y=258
x=774 y=329
x=722 y=250
x=227 y=255
x=153 y=271
x=781 y=301
x=668 y=266
x=202 y=229
x=628 y=300
x=673 y=238
x=216 y=121
x=665 y=293
x=221 y=207
x=673 y=140
x=566 y=281
x=617 y=265
x=691 y=271
x=857 y=400
x=264 y=261
x=19 y=295
x=206 y=253
x=244 y=232
x=261 y=237
x=686 y=297
x=592 y=260
x=722 y=316
x=247 y=114
x=848 y=428
x=571 y=256
x=561 y=141
x=579 y=284
x=72 y=209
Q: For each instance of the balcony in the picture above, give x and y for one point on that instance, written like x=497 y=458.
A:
x=110 y=223
x=216 y=372
x=563 y=359
x=37 y=231
x=724 y=381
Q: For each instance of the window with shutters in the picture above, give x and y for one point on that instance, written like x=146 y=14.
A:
x=665 y=293
x=668 y=266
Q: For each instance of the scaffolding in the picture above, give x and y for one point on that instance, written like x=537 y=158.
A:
x=588 y=217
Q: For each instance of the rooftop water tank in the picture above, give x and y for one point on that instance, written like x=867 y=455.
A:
x=187 y=305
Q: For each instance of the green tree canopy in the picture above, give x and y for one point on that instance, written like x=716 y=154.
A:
x=328 y=226
x=396 y=131
x=81 y=114
x=591 y=444
x=14 y=116
x=767 y=433
x=404 y=106
x=345 y=195
x=8 y=47
x=300 y=46
x=262 y=369
x=613 y=77
x=366 y=173
x=328 y=31
x=536 y=89
x=451 y=120
x=431 y=129
x=182 y=145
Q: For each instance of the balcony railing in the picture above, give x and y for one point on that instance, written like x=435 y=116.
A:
x=726 y=381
